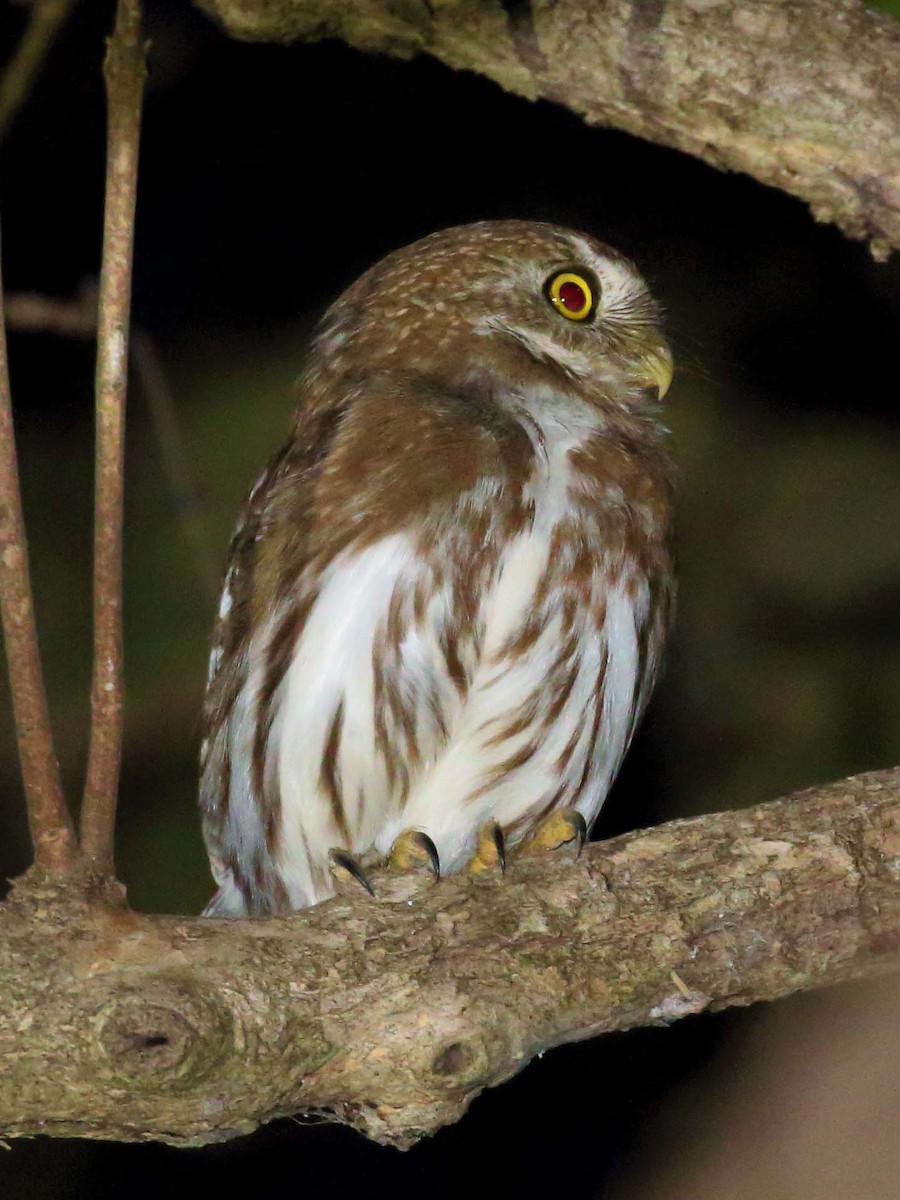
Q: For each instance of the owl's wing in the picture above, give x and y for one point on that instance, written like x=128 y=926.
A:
x=270 y=552
x=231 y=821
x=355 y=520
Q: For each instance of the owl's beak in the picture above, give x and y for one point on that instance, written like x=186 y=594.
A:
x=658 y=369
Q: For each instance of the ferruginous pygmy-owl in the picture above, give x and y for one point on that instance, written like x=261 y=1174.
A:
x=447 y=594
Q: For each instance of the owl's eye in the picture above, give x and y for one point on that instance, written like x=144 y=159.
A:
x=572 y=294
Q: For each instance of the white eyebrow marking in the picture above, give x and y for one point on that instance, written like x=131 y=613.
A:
x=542 y=345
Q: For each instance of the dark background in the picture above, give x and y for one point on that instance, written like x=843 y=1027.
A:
x=270 y=177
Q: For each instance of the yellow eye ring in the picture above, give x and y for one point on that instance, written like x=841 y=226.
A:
x=572 y=295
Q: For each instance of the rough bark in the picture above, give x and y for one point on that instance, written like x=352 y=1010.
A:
x=394 y=1013
x=802 y=96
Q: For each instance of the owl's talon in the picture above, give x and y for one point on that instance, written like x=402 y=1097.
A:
x=413 y=850
x=581 y=833
x=563 y=826
x=344 y=863
x=490 y=849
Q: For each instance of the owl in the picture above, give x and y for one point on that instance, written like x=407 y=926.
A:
x=447 y=594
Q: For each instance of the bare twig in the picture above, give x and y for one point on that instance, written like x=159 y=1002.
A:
x=52 y=833
x=44 y=20
x=186 y=498
x=33 y=312
x=77 y=318
x=125 y=71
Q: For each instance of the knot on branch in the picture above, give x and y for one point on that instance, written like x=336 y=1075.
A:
x=168 y=1036
x=469 y=1049
x=463 y=1064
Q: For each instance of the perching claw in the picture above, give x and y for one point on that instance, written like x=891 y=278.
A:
x=561 y=827
x=343 y=863
x=490 y=849
x=412 y=850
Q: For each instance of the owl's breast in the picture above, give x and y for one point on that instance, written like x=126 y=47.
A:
x=560 y=651
x=483 y=655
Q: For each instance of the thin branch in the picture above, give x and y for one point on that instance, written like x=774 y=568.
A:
x=180 y=476
x=44 y=20
x=125 y=71
x=393 y=1012
x=52 y=832
x=803 y=97
x=77 y=318
x=33 y=312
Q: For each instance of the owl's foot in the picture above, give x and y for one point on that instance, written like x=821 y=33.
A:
x=345 y=865
x=414 y=850
x=490 y=849
x=562 y=827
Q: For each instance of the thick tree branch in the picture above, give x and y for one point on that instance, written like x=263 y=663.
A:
x=125 y=71
x=801 y=96
x=52 y=832
x=394 y=1013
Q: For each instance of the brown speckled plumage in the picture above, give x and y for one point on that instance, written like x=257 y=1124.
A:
x=447 y=594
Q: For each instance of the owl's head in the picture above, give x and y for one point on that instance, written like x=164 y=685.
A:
x=517 y=300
